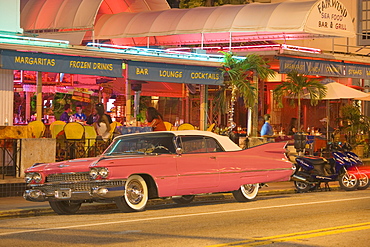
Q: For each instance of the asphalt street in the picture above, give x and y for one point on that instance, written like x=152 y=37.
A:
x=314 y=219
x=18 y=206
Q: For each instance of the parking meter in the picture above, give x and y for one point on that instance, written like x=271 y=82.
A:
x=299 y=141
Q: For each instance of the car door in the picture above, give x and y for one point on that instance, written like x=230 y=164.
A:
x=197 y=166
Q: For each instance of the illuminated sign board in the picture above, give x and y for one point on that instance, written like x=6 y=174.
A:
x=323 y=68
x=16 y=60
x=163 y=72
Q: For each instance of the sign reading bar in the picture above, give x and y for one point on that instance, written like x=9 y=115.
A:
x=162 y=72
x=16 y=60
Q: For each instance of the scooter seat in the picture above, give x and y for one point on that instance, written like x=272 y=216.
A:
x=314 y=160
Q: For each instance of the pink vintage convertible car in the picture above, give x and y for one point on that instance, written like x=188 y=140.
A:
x=141 y=166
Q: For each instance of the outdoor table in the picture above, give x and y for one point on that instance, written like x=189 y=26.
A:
x=128 y=130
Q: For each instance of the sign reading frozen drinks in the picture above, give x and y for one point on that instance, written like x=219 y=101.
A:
x=163 y=72
x=331 y=17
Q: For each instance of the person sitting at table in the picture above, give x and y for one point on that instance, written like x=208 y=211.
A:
x=102 y=125
x=65 y=115
x=325 y=128
x=91 y=119
x=79 y=116
x=155 y=119
x=292 y=126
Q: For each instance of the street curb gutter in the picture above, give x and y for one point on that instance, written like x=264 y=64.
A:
x=109 y=206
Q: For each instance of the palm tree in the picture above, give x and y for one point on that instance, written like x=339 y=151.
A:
x=238 y=73
x=298 y=86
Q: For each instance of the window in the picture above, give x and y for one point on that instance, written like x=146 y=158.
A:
x=363 y=17
x=199 y=144
x=143 y=144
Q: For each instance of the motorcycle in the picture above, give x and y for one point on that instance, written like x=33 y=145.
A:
x=311 y=171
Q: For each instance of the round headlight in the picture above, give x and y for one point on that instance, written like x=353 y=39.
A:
x=103 y=172
x=94 y=173
x=37 y=177
x=28 y=177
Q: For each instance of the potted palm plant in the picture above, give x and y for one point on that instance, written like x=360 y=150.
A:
x=298 y=87
x=238 y=73
x=356 y=128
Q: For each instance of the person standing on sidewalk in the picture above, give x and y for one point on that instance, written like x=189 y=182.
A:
x=266 y=130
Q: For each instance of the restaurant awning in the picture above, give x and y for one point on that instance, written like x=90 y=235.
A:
x=72 y=19
x=152 y=22
x=228 y=23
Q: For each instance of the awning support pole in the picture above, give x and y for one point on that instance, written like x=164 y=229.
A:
x=230 y=40
x=39 y=96
x=202 y=42
x=254 y=115
x=128 y=97
x=203 y=107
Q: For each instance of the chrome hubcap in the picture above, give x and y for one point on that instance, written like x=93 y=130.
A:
x=248 y=188
x=134 y=192
x=349 y=180
x=364 y=180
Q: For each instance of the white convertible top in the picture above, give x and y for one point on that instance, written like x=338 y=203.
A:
x=225 y=141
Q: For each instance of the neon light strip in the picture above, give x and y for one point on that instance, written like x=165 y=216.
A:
x=157 y=52
x=33 y=39
x=258 y=47
x=22 y=40
x=300 y=48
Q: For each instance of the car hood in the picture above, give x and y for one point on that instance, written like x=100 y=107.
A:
x=67 y=166
x=118 y=160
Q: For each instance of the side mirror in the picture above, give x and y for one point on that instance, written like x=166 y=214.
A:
x=179 y=151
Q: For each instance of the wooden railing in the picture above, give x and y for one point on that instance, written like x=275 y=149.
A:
x=11 y=155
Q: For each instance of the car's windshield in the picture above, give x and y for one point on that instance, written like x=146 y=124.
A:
x=142 y=144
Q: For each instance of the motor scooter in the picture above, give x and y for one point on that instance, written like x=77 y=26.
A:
x=358 y=168
x=311 y=171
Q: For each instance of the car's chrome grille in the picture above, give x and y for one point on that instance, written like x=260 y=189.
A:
x=68 y=177
x=81 y=186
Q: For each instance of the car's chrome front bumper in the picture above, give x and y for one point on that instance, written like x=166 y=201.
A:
x=98 y=190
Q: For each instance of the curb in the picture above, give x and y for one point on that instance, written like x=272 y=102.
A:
x=38 y=211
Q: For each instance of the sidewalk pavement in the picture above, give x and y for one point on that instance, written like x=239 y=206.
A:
x=18 y=206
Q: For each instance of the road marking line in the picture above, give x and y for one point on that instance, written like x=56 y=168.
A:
x=181 y=216
x=298 y=235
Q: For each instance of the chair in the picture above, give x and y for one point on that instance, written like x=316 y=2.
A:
x=113 y=127
x=186 y=126
x=74 y=143
x=56 y=127
x=90 y=137
x=74 y=131
x=37 y=128
x=168 y=125
x=210 y=128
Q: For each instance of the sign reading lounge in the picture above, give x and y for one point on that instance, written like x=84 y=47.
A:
x=16 y=60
